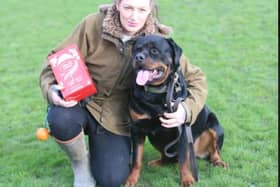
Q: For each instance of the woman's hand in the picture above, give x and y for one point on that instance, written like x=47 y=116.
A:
x=174 y=119
x=53 y=95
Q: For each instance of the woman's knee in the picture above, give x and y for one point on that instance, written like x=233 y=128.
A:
x=109 y=178
x=66 y=123
x=110 y=157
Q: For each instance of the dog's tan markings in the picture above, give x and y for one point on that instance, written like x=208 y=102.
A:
x=162 y=161
x=136 y=116
x=202 y=144
x=187 y=178
x=135 y=171
x=215 y=157
x=158 y=64
x=166 y=73
x=205 y=146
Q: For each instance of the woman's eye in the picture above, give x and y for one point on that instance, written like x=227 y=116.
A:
x=142 y=10
x=128 y=8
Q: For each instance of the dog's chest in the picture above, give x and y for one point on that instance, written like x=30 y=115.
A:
x=149 y=103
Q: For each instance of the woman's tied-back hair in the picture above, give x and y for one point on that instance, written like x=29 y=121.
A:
x=153 y=5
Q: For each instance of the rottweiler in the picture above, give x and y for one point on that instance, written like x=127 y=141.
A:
x=159 y=82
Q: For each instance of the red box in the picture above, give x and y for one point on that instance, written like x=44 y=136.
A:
x=70 y=71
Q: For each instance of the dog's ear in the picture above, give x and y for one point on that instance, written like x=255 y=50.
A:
x=133 y=40
x=176 y=50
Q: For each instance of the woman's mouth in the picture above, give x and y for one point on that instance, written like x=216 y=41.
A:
x=132 y=24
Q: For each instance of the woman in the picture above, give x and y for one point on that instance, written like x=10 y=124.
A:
x=104 y=40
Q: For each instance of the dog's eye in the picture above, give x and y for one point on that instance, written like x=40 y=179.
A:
x=154 y=51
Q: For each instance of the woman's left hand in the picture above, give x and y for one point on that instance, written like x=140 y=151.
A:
x=174 y=119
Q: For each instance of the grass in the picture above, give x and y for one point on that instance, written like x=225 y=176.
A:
x=234 y=42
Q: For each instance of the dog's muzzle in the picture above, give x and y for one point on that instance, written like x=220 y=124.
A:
x=140 y=58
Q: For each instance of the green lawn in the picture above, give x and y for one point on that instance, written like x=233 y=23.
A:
x=234 y=42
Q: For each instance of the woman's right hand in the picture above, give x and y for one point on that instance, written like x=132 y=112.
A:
x=54 y=98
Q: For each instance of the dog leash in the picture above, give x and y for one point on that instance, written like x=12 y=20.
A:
x=184 y=132
x=190 y=147
x=169 y=98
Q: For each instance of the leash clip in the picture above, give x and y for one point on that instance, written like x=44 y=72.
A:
x=176 y=77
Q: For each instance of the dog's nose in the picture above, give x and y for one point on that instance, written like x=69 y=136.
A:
x=140 y=57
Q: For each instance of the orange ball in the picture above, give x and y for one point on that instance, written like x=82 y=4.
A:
x=42 y=134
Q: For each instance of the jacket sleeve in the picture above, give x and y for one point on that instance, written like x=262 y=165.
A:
x=79 y=37
x=197 y=89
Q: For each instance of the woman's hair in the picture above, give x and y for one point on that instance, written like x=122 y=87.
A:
x=154 y=6
x=152 y=2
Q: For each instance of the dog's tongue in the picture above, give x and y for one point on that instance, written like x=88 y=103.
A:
x=143 y=77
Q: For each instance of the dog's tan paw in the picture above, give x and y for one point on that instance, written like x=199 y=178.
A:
x=220 y=163
x=130 y=182
x=187 y=180
x=155 y=163
x=132 y=178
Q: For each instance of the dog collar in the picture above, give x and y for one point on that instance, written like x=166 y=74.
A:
x=156 y=89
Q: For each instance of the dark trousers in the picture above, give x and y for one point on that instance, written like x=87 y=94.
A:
x=109 y=153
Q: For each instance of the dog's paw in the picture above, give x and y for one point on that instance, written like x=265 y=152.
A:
x=130 y=182
x=132 y=178
x=216 y=160
x=187 y=180
x=155 y=163
x=220 y=163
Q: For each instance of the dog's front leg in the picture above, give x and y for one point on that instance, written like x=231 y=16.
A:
x=187 y=178
x=138 y=150
x=184 y=158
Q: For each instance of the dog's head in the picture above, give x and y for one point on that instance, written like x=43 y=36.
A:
x=155 y=58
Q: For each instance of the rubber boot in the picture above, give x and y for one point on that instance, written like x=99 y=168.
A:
x=79 y=158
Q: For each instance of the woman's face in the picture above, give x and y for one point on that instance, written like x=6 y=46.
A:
x=133 y=14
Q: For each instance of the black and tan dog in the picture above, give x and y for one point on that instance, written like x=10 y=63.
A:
x=157 y=73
